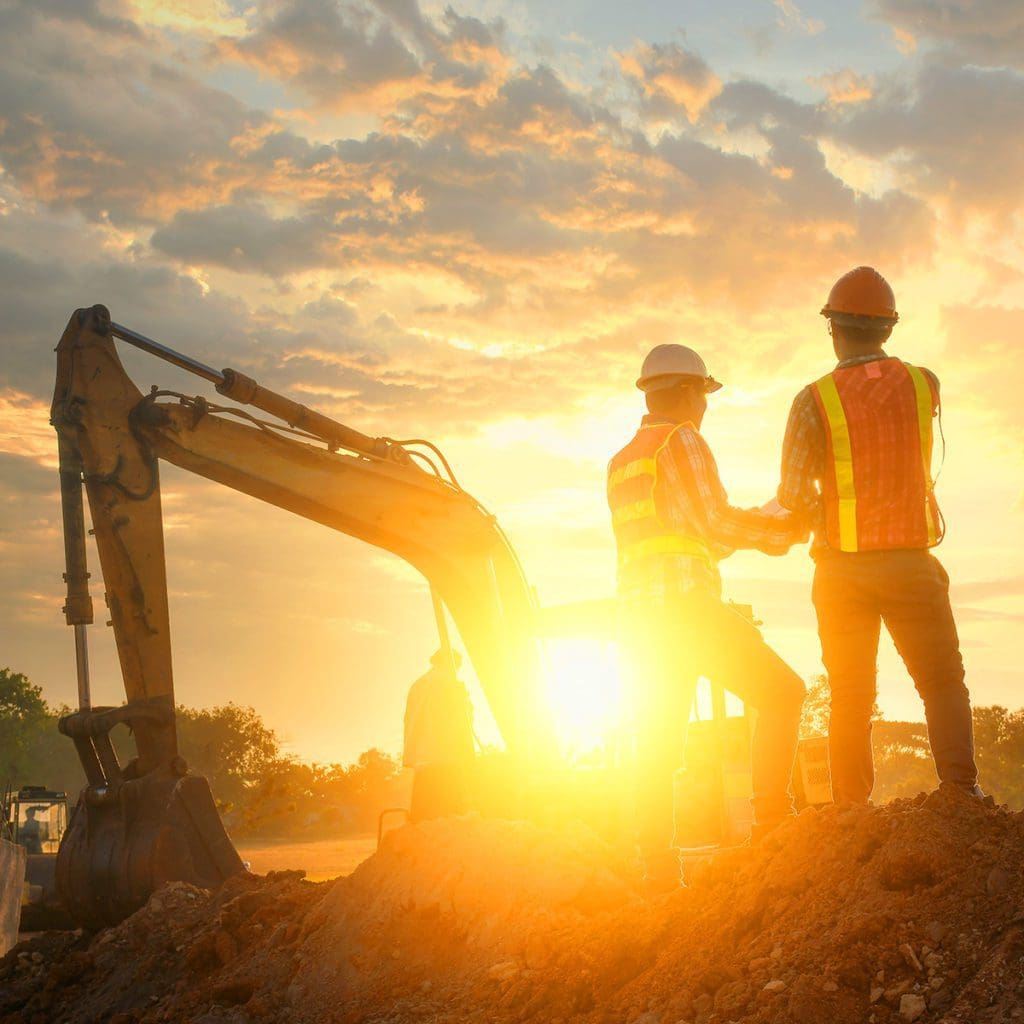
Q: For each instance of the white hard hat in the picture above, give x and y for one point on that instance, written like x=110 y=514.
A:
x=667 y=365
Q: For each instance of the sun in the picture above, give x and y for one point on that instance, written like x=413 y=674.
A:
x=585 y=694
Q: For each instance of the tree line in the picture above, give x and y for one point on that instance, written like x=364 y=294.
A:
x=259 y=790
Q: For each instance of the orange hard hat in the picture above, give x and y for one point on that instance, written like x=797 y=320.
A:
x=861 y=298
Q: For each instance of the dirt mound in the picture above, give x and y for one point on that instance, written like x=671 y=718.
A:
x=912 y=911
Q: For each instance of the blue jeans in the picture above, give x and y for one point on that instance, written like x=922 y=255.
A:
x=908 y=591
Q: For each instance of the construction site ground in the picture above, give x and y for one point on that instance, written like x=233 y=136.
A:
x=911 y=911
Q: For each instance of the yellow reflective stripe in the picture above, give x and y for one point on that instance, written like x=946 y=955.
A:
x=666 y=544
x=634 y=510
x=640 y=467
x=923 y=394
x=842 y=455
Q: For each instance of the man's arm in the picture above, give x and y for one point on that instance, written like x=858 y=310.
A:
x=703 y=504
x=803 y=459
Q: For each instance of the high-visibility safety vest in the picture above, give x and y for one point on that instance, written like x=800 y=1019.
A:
x=877 y=488
x=642 y=539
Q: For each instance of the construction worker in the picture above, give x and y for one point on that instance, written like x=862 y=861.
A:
x=438 y=741
x=856 y=465
x=673 y=523
x=32 y=831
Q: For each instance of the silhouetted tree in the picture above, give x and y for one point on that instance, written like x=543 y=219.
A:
x=23 y=717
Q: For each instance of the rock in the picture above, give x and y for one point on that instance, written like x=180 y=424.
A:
x=897 y=991
x=225 y=946
x=775 y=985
x=908 y=954
x=936 y=932
x=998 y=881
x=876 y=993
x=937 y=983
x=830 y=986
x=504 y=971
x=912 y=1006
x=776 y=953
x=235 y=991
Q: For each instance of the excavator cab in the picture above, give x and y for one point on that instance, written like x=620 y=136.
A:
x=36 y=819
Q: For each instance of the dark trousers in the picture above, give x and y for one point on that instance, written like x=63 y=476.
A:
x=908 y=591
x=669 y=644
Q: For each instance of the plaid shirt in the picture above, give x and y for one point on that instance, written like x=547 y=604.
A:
x=691 y=499
x=804 y=451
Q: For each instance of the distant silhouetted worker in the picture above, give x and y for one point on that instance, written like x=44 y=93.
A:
x=32 y=831
x=438 y=741
x=856 y=463
x=673 y=523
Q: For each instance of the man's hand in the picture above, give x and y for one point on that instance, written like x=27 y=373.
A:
x=774 y=509
x=794 y=528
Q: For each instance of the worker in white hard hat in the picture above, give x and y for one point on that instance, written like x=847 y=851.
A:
x=673 y=523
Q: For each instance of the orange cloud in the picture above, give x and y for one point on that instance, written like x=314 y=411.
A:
x=842 y=87
x=25 y=428
x=670 y=79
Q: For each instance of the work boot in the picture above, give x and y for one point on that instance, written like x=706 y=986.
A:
x=975 y=790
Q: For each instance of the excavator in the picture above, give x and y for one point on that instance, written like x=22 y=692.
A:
x=150 y=820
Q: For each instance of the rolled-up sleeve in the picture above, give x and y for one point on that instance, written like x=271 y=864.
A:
x=803 y=458
x=695 y=501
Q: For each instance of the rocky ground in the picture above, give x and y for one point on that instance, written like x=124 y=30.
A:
x=911 y=911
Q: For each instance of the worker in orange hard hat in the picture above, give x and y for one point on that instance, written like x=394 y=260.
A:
x=856 y=464
x=673 y=523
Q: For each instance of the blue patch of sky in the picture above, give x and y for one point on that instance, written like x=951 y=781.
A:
x=737 y=38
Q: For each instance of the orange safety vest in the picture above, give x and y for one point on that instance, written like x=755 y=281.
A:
x=877 y=486
x=642 y=539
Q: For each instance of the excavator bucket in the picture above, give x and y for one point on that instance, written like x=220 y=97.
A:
x=134 y=831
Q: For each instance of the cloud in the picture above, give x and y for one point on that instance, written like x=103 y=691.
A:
x=367 y=56
x=986 y=32
x=245 y=237
x=952 y=136
x=841 y=87
x=983 y=341
x=791 y=17
x=385 y=211
x=97 y=117
x=672 y=82
x=25 y=429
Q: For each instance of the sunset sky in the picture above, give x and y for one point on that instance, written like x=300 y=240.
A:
x=469 y=222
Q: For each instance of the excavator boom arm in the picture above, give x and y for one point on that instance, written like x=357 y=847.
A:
x=152 y=817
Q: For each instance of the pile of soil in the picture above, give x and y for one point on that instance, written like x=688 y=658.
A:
x=911 y=911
